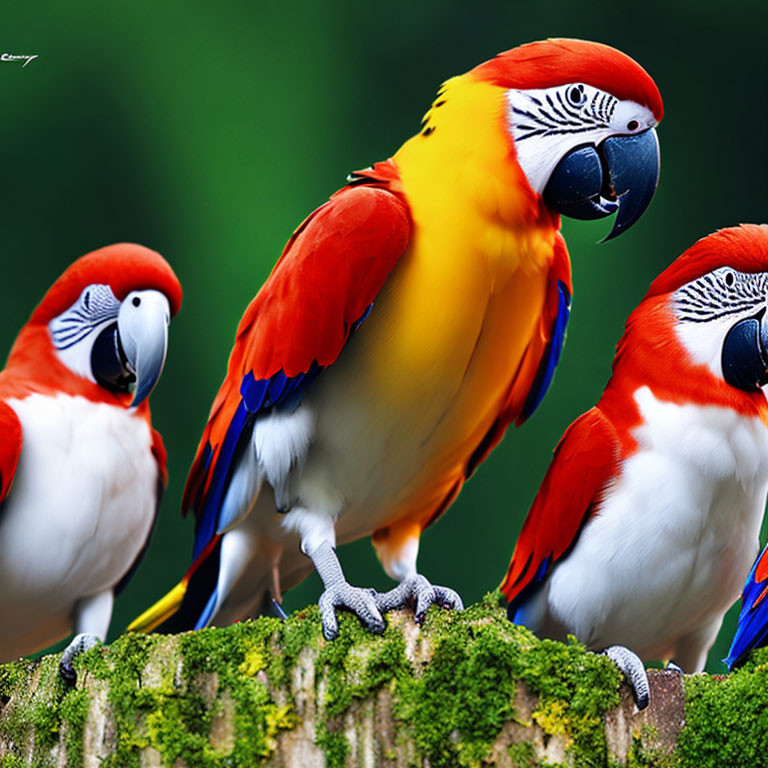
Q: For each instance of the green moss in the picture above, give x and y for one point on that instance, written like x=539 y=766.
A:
x=74 y=712
x=522 y=755
x=39 y=714
x=12 y=761
x=170 y=694
x=726 y=719
x=466 y=694
x=15 y=723
x=641 y=757
x=334 y=745
x=575 y=688
x=353 y=667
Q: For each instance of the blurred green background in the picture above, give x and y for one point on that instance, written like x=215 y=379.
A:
x=209 y=130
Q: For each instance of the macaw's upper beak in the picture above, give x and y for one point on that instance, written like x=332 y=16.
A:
x=619 y=175
x=745 y=354
x=142 y=326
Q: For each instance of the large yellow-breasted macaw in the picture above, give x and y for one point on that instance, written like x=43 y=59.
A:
x=409 y=321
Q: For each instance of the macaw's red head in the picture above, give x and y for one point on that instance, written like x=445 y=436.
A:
x=105 y=320
x=582 y=117
x=718 y=291
x=701 y=332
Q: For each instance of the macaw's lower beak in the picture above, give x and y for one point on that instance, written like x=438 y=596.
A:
x=619 y=175
x=142 y=326
x=745 y=354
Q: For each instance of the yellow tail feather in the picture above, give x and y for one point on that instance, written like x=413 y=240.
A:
x=163 y=609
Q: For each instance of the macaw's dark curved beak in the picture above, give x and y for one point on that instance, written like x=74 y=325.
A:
x=619 y=175
x=745 y=354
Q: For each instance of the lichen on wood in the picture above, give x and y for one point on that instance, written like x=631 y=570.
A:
x=467 y=689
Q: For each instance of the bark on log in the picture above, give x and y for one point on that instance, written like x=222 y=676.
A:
x=467 y=689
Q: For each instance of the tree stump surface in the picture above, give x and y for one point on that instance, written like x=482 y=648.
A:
x=467 y=689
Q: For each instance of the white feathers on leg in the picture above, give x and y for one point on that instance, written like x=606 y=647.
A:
x=280 y=442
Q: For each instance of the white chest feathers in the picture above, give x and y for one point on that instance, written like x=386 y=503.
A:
x=674 y=539
x=82 y=502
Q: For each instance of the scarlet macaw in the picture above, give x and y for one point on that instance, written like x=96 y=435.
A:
x=648 y=518
x=81 y=469
x=409 y=321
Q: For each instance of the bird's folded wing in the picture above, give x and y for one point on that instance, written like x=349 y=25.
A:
x=10 y=447
x=543 y=353
x=537 y=367
x=583 y=465
x=322 y=288
x=752 y=629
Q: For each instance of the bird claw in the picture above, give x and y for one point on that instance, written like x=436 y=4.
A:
x=68 y=674
x=419 y=592
x=80 y=644
x=633 y=670
x=357 y=600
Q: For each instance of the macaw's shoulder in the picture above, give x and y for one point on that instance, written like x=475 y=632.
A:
x=10 y=447
x=327 y=277
x=584 y=462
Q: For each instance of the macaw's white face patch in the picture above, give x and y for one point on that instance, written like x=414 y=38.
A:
x=75 y=330
x=708 y=308
x=548 y=123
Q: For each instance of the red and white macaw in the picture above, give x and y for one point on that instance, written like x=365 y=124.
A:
x=409 y=321
x=81 y=469
x=647 y=520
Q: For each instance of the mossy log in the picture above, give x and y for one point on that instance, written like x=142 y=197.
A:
x=466 y=689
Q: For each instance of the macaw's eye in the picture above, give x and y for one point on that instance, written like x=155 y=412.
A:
x=729 y=279
x=576 y=96
x=633 y=125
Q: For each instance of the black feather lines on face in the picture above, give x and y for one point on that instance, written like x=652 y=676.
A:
x=552 y=116
x=720 y=294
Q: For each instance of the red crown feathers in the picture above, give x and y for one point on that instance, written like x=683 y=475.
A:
x=124 y=267
x=556 y=62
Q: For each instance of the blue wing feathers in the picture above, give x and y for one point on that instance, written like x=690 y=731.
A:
x=280 y=392
x=516 y=610
x=551 y=357
x=752 y=629
x=208 y=520
x=207 y=613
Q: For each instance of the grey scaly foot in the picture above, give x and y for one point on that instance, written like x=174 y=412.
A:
x=419 y=592
x=633 y=670
x=80 y=644
x=340 y=594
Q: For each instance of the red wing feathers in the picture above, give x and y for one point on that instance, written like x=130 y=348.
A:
x=10 y=447
x=161 y=457
x=329 y=273
x=584 y=463
x=327 y=278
